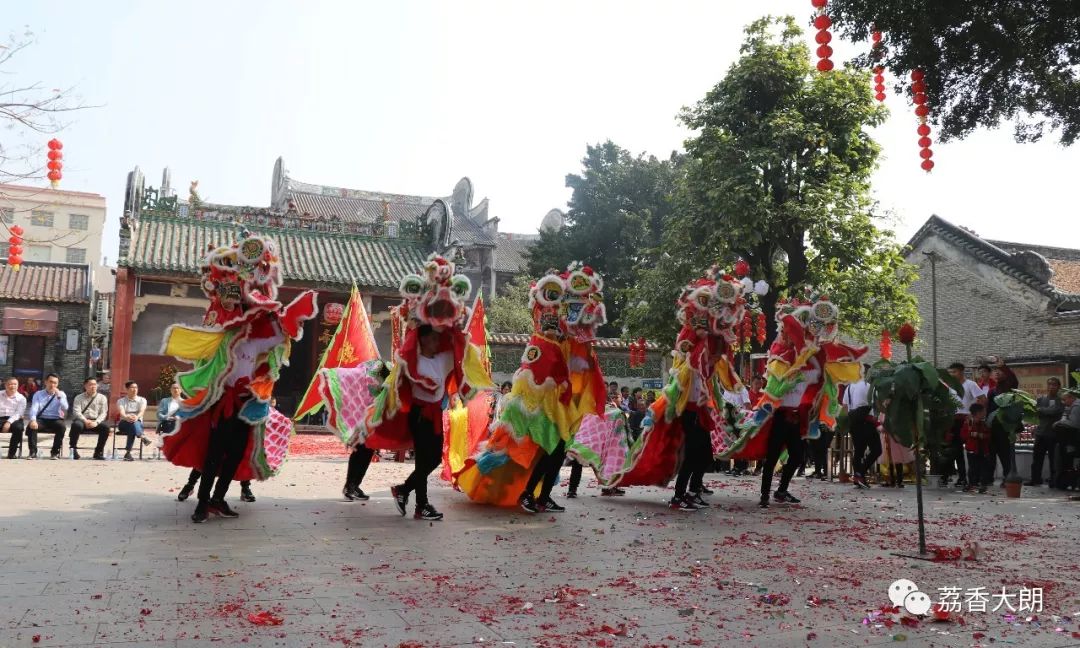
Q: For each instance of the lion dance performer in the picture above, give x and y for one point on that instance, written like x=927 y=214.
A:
x=680 y=433
x=806 y=366
x=435 y=361
x=558 y=382
x=226 y=428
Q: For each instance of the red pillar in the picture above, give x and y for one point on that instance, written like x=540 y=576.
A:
x=123 y=321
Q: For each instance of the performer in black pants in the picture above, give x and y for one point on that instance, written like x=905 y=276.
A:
x=547 y=471
x=359 y=460
x=225 y=451
x=575 y=480
x=245 y=487
x=866 y=444
x=427 y=444
x=785 y=433
x=12 y=409
x=696 y=458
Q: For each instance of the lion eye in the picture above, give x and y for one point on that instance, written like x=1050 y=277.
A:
x=460 y=286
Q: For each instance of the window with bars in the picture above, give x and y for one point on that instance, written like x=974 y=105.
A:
x=38 y=253
x=7 y=214
x=4 y=247
x=76 y=255
x=41 y=218
x=78 y=221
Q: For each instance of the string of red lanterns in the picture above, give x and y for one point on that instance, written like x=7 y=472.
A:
x=922 y=111
x=15 y=249
x=879 y=71
x=55 y=164
x=886 y=345
x=822 y=22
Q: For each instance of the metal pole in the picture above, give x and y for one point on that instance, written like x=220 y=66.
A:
x=933 y=303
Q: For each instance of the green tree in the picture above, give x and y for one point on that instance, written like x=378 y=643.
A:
x=779 y=174
x=986 y=61
x=509 y=310
x=617 y=211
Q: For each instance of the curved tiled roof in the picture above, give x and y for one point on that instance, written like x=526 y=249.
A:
x=48 y=282
x=177 y=245
x=994 y=255
x=510 y=251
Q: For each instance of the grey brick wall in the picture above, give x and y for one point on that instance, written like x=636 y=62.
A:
x=71 y=366
x=982 y=311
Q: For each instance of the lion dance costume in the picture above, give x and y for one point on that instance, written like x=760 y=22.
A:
x=684 y=428
x=806 y=366
x=558 y=383
x=226 y=427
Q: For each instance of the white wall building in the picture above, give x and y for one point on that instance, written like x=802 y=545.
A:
x=59 y=227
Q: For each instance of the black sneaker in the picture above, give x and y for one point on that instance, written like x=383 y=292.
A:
x=551 y=507
x=146 y=441
x=427 y=512
x=128 y=457
x=221 y=508
x=54 y=455
x=360 y=495
x=401 y=500
x=75 y=454
x=943 y=482
x=32 y=455
x=695 y=499
x=982 y=491
x=609 y=492
x=571 y=494
x=527 y=503
x=784 y=496
x=185 y=492
x=246 y=495
x=705 y=489
x=681 y=504
x=763 y=502
x=347 y=493
x=99 y=457
x=201 y=512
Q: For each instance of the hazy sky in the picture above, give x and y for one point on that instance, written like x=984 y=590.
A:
x=408 y=97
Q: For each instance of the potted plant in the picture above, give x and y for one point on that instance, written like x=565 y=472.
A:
x=919 y=405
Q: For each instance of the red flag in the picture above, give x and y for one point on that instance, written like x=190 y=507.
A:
x=476 y=329
x=352 y=344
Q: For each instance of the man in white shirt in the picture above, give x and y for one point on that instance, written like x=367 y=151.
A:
x=971 y=393
x=864 y=436
x=12 y=409
x=90 y=413
x=425 y=421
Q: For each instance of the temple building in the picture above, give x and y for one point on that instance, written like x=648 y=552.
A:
x=328 y=238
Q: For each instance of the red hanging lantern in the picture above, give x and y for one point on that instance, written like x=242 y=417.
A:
x=742 y=268
x=886 y=345
x=879 y=70
x=761 y=333
x=54 y=165
x=15 y=249
x=637 y=353
x=822 y=22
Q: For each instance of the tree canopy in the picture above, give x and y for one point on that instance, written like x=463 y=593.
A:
x=616 y=212
x=985 y=61
x=779 y=174
x=509 y=310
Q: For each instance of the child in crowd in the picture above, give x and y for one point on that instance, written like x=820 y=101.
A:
x=976 y=436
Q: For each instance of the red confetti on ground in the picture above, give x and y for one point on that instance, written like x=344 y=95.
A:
x=145 y=611
x=265 y=618
x=316 y=445
x=37 y=638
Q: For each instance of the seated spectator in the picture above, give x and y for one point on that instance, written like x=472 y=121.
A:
x=48 y=407
x=12 y=409
x=29 y=388
x=636 y=418
x=167 y=409
x=90 y=413
x=130 y=410
x=612 y=389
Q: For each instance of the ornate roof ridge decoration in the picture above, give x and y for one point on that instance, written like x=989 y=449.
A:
x=601 y=343
x=359 y=194
x=997 y=257
x=1047 y=251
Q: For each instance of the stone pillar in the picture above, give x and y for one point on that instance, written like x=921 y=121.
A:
x=123 y=321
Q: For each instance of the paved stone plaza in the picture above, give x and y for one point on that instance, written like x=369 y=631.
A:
x=102 y=553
